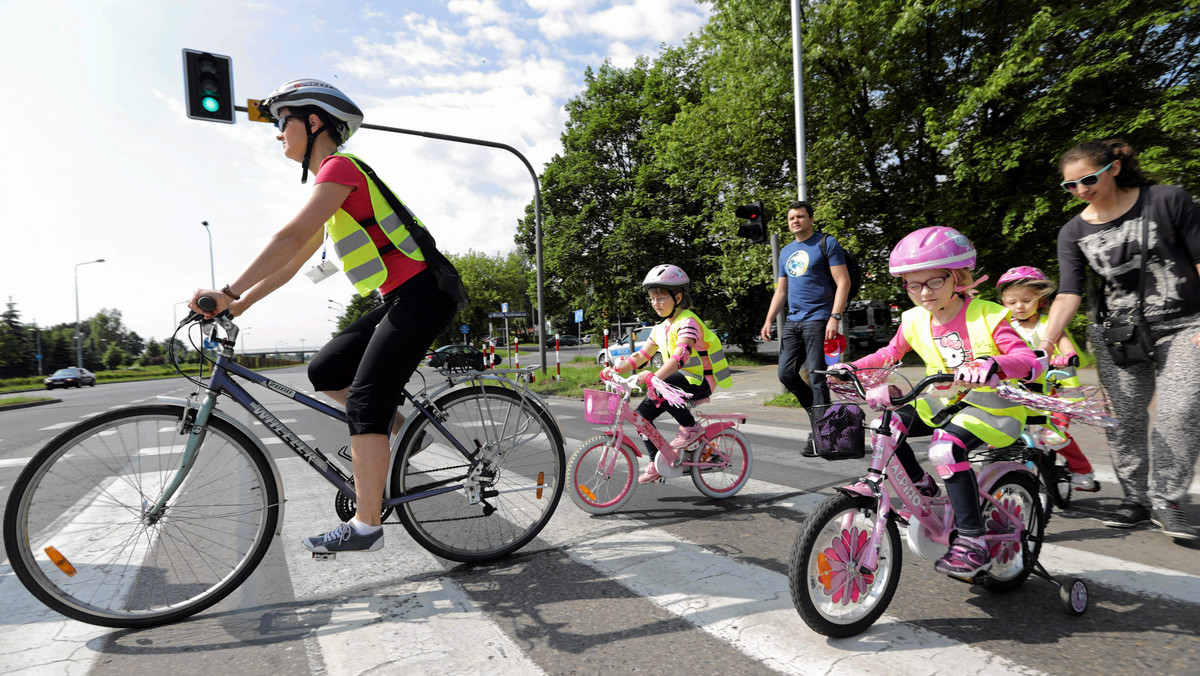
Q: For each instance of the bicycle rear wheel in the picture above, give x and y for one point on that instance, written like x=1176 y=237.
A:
x=1012 y=562
x=723 y=482
x=74 y=529
x=519 y=468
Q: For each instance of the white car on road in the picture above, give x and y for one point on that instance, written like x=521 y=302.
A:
x=621 y=348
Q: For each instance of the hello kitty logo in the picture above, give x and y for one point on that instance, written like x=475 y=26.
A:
x=954 y=351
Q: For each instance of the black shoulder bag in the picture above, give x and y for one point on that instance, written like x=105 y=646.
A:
x=1128 y=336
x=448 y=279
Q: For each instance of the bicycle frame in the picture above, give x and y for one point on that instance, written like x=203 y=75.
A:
x=221 y=383
x=886 y=472
x=670 y=455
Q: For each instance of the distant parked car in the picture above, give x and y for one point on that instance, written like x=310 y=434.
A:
x=565 y=340
x=621 y=348
x=460 y=357
x=72 y=377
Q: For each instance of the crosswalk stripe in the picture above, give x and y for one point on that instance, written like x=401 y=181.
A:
x=57 y=426
x=380 y=615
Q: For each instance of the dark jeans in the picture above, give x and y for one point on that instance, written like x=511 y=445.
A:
x=803 y=343
x=650 y=410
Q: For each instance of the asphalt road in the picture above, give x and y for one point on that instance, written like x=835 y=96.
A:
x=675 y=583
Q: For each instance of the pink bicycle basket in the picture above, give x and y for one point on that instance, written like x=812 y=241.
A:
x=600 y=407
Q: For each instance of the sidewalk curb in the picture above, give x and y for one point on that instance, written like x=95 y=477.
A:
x=28 y=404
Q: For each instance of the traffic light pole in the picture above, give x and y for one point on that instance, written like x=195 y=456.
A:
x=537 y=210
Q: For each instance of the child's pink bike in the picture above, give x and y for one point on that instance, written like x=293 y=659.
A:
x=845 y=565
x=603 y=471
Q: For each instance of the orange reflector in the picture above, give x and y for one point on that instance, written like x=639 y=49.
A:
x=61 y=561
x=541 y=482
x=587 y=491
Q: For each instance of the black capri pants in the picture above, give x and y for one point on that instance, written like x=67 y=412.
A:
x=376 y=355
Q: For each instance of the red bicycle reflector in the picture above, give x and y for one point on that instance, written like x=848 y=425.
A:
x=541 y=482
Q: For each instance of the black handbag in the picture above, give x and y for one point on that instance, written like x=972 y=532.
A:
x=444 y=272
x=1128 y=337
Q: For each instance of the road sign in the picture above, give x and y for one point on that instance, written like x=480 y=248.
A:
x=497 y=315
x=465 y=329
x=579 y=316
x=504 y=307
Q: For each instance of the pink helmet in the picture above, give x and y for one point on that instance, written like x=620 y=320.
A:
x=1024 y=272
x=930 y=249
x=666 y=276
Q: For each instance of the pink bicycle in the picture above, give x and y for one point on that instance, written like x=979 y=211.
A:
x=603 y=471
x=845 y=565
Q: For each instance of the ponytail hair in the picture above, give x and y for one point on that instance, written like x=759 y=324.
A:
x=1101 y=153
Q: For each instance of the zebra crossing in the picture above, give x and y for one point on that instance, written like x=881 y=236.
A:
x=675 y=583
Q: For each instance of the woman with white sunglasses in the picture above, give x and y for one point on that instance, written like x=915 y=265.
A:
x=1127 y=218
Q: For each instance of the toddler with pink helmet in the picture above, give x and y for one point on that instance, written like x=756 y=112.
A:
x=952 y=331
x=1026 y=291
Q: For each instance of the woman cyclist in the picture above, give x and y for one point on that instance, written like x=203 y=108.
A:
x=694 y=360
x=365 y=366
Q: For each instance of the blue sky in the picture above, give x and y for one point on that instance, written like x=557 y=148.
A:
x=107 y=165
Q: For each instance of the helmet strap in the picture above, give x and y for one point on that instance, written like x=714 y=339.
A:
x=312 y=137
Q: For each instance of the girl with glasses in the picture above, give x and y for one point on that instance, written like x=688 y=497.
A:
x=953 y=332
x=1128 y=225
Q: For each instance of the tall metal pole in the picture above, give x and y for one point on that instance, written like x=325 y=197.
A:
x=78 y=334
x=798 y=86
x=212 y=271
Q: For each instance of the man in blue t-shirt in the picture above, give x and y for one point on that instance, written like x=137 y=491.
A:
x=816 y=289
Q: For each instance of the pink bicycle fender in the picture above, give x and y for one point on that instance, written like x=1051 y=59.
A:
x=715 y=428
x=625 y=441
x=990 y=473
x=855 y=489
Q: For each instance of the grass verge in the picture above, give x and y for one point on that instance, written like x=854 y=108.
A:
x=13 y=401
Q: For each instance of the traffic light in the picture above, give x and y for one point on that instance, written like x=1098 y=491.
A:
x=755 y=227
x=208 y=86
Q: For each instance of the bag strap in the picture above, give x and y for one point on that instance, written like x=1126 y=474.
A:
x=1145 y=253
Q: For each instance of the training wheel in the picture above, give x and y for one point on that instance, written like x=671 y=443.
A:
x=1074 y=595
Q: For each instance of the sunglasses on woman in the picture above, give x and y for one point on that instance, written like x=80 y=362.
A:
x=1087 y=181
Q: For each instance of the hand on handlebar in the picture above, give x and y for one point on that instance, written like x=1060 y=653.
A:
x=839 y=367
x=979 y=373
x=1064 y=359
x=214 y=303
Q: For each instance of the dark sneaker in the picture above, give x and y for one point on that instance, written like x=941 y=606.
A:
x=965 y=559
x=344 y=539
x=809 y=450
x=1174 y=522
x=1127 y=515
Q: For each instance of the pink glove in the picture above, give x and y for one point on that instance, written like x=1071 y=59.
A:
x=644 y=379
x=607 y=373
x=622 y=364
x=1063 y=359
x=979 y=373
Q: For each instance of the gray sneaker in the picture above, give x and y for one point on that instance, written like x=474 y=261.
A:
x=1126 y=515
x=1174 y=522
x=344 y=539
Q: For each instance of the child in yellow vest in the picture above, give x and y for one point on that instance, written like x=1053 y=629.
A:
x=953 y=332
x=693 y=358
x=1026 y=292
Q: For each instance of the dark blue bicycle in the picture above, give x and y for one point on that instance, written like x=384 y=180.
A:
x=148 y=514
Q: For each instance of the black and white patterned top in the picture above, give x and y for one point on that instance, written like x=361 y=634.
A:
x=1113 y=251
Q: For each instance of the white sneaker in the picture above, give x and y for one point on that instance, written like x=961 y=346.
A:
x=1084 y=482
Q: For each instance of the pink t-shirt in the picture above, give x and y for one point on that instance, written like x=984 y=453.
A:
x=1016 y=359
x=341 y=170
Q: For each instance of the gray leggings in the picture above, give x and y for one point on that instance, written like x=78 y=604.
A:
x=1155 y=458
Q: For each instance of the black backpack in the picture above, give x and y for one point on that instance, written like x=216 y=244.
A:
x=851 y=267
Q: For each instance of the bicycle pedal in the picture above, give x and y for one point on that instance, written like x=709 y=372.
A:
x=324 y=556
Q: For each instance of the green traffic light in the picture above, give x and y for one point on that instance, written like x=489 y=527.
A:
x=210 y=104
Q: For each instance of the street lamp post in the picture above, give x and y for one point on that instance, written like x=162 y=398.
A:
x=212 y=272
x=78 y=335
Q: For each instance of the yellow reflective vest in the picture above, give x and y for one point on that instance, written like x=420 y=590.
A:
x=361 y=259
x=982 y=318
x=708 y=355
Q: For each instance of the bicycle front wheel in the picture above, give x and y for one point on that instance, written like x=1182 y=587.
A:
x=603 y=476
x=509 y=489
x=77 y=535
x=732 y=451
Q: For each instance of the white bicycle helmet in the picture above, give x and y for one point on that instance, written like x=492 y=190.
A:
x=309 y=92
x=667 y=277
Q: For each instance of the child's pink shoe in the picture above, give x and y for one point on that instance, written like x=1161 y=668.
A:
x=651 y=474
x=687 y=435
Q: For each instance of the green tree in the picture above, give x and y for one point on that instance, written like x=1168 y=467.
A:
x=358 y=306
x=115 y=357
x=16 y=356
x=491 y=280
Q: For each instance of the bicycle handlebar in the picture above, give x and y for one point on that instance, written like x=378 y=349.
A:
x=897 y=401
